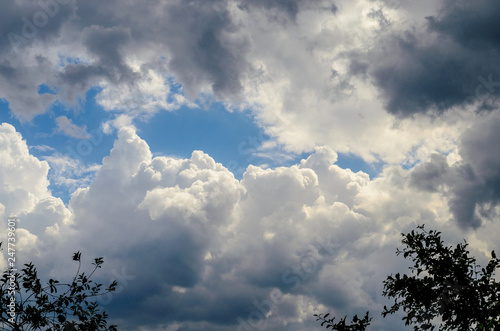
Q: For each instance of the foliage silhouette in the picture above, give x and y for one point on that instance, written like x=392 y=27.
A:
x=445 y=282
x=357 y=323
x=446 y=287
x=55 y=306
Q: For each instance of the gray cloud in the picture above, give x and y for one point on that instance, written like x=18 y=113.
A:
x=106 y=45
x=480 y=150
x=285 y=10
x=23 y=27
x=19 y=83
x=425 y=78
x=473 y=185
x=473 y=24
x=203 y=45
x=23 y=22
x=457 y=68
x=448 y=65
x=430 y=176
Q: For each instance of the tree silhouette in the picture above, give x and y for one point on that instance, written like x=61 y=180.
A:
x=446 y=287
x=27 y=305
x=357 y=324
x=445 y=282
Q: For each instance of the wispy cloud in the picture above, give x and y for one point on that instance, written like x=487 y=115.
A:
x=67 y=127
x=70 y=174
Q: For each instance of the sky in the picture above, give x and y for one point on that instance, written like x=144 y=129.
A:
x=246 y=164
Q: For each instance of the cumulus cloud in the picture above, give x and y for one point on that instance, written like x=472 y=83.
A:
x=23 y=177
x=19 y=81
x=215 y=252
x=295 y=67
x=121 y=51
x=310 y=72
x=451 y=62
x=24 y=194
x=22 y=69
x=471 y=183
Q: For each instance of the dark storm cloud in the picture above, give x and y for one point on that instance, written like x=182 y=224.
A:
x=221 y=304
x=284 y=10
x=22 y=22
x=289 y=7
x=19 y=85
x=201 y=42
x=420 y=77
x=460 y=66
x=454 y=65
x=430 y=176
x=473 y=24
x=106 y=45
x=473 y=185
x=481 y=150
x=23 y=25
x=205 y=46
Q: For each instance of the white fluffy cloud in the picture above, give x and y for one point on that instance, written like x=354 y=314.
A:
x=23 y=177
x=24 y=194
x=196 y=248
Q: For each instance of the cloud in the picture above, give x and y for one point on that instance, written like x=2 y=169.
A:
x=449 y=63
x=150 y=93
x=23 y=177
x=284 y=10
x=206 y=48
x=19 y=81
x=304 y=69
x=24 y=193
x=431 y=175
x=214 y=252
x=121 y=51
x=69 y=174
x=22 y=68
x=66 y=126
x=471 y=183
x=472 y=31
